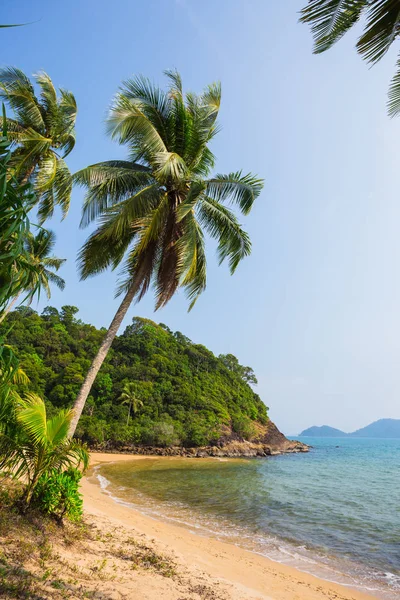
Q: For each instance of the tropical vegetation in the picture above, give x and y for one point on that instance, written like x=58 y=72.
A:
x=38 y=251
x=331 y=19
x=130 y=397
x=190 y=396
x=154 y=209
x=16 y=200
x=33 y=448
x=42 y=133
x=153 y=212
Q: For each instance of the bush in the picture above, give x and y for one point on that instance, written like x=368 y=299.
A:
x=243 y=426
x=160 y=434
x=57 y=494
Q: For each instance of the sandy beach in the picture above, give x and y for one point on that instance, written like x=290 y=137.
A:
x=205 y=568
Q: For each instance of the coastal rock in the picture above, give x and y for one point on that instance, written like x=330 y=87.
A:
x=268 y=441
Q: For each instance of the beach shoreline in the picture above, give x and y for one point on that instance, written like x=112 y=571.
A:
x=238 y=573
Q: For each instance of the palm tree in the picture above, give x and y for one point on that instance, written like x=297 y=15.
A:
x=42 y=132
x=37 y=445
x=15 y=202
x=154 y=208
x=129 y=397
x=331 y=19
x=38 y=249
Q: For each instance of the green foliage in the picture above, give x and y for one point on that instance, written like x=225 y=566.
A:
x=131 y=396
x=232 y=363
x=243 y=426
x=39 y=248
x=57 y=494
x=33 y=446
x=331 y=19
x=16 y=200
x=42 y=132
x=189 y=396
x=153 y=210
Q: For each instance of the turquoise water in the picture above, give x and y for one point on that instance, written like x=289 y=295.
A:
x=334 y=512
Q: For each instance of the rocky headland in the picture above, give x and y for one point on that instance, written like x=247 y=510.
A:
x=268 y=441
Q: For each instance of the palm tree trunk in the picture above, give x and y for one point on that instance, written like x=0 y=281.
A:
x=129 y=413
x=99 y=358
x=9 y=307
x=28 y=174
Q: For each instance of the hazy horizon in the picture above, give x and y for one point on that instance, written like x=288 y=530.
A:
x=315 y=309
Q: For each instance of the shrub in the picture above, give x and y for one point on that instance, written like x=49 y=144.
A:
x=160 y=434
x=243 y=426
x=57 y=494
x=36 y=447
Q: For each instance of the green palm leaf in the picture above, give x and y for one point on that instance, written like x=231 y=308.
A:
x=42 y=132
x=110 y=182
x=57 y=427
x=31 y=414
x=221 y=223
x=331 y=19
x=237 y=188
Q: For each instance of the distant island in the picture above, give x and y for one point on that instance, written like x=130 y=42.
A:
x=323 y=431
x=383 y=428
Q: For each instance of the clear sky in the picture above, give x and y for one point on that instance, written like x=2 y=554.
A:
x=315 y=310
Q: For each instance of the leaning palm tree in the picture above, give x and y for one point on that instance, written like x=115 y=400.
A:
x=35 y=445
x=331 y=19
x=154 y=208
x=38 y=250
x=42 y=132
x=130 y=397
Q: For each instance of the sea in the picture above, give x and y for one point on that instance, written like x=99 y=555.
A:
x=333 y=512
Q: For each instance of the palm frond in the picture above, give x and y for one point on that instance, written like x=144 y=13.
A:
x=195 y=191
x=57 y=427
x=137 y=272
x=148 y=227
x=169 y=166
x=108 y=183
x=48 y=94
x=192 y=265
x=393 y=103
x=68 y=109
x=175 y=79
x=239 y=189
x=53 y=263
x=221 y=223
x=47 y=172
x=57 y=192
x=56 y=279
x=127 y=122
x=331 y=19
x=383 y=26
x=119 y=225
x=31 y=414
x=167 y=269
x=17 y=90
x=151 y=100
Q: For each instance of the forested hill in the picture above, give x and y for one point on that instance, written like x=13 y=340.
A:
x=185 y=394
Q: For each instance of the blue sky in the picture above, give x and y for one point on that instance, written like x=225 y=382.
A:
x=315 y=309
